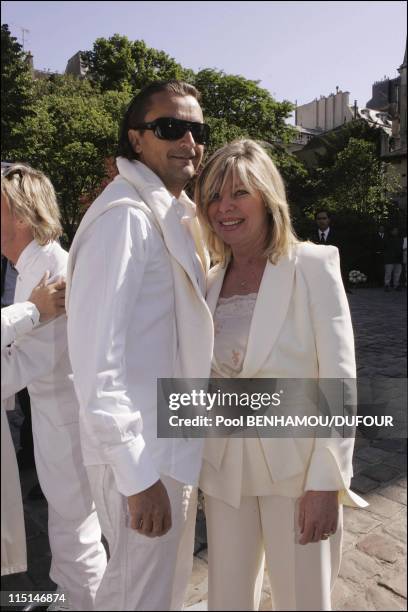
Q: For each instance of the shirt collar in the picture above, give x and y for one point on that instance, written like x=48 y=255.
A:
x=27 y=255
x=185 y=208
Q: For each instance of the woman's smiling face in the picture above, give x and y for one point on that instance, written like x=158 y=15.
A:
x=239 y=218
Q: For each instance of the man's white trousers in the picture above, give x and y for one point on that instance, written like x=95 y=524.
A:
x=144 y=573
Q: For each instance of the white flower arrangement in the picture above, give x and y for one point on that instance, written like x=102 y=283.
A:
x=355 y=277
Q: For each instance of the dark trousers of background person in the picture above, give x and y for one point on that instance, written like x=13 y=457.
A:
x=25 y=455
x=379 y=270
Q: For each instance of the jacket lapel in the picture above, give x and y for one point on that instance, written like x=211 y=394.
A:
x=269 y=314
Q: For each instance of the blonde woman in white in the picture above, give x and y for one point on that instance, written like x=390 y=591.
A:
x=280 y=311
x=39 y=361
x=44 y=303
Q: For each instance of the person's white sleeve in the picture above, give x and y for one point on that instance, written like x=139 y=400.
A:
x=107 y=278
x=32 y=355
x=330 y=467
x=17 y=320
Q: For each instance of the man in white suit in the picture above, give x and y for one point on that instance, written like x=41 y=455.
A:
x=139 y=253
x=39 y=361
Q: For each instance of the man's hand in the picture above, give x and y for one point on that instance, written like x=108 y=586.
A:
x=318 y=515
x=150 y=511
x=49 y=299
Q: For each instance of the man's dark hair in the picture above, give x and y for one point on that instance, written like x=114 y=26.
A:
x=141 y=104
x=323 y=210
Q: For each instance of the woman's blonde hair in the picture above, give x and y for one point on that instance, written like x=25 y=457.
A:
x=247 y=162
x=32 y=199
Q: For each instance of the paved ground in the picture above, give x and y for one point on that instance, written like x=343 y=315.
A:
x=373 y=570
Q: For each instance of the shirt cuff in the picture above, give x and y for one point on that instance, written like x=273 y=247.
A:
x=26 y=317
x=132 y=467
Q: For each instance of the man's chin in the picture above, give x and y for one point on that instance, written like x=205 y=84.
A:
x=187 y=173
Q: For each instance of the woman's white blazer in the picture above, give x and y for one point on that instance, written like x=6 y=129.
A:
x=301 y=328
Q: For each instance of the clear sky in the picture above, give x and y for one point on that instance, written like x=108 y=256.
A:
x=297 y=50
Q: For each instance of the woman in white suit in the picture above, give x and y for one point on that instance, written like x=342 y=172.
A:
x=280 y=311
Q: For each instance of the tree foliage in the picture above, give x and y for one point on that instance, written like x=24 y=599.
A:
x=242 y=103
x=357 y=181
x=68 y=127
x=69 y=137
x=335 y=141
x=356 y=187
x=110 y=63
x=16 y=90
x=116 y=63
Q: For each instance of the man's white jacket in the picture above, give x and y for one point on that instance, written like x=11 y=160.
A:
x=136 y=312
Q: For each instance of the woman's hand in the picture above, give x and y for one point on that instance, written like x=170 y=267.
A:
x=318 y=515
x=49 y=299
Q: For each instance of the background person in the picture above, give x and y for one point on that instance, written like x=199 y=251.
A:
x=45 y=302
x=378 y=252
x=393 y=257
x=39 y=360
x=280 y=311
x=326 y=235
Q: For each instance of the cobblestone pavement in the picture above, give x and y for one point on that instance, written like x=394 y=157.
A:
x=373 y=570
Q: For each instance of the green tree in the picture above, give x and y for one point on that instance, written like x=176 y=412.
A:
x=16 y=91
x=116 y=63
x=297 y=183
x=154 y=65
x=221 y=133
x=236 y=102
x=335 y=141
x=70 y=136
x=242 y=103
x=73 y=128
x=357 y=188
x=345 y=174
x=358 y=180
x=110 y=63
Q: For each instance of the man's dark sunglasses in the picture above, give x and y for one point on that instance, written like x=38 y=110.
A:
x=167 y=128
